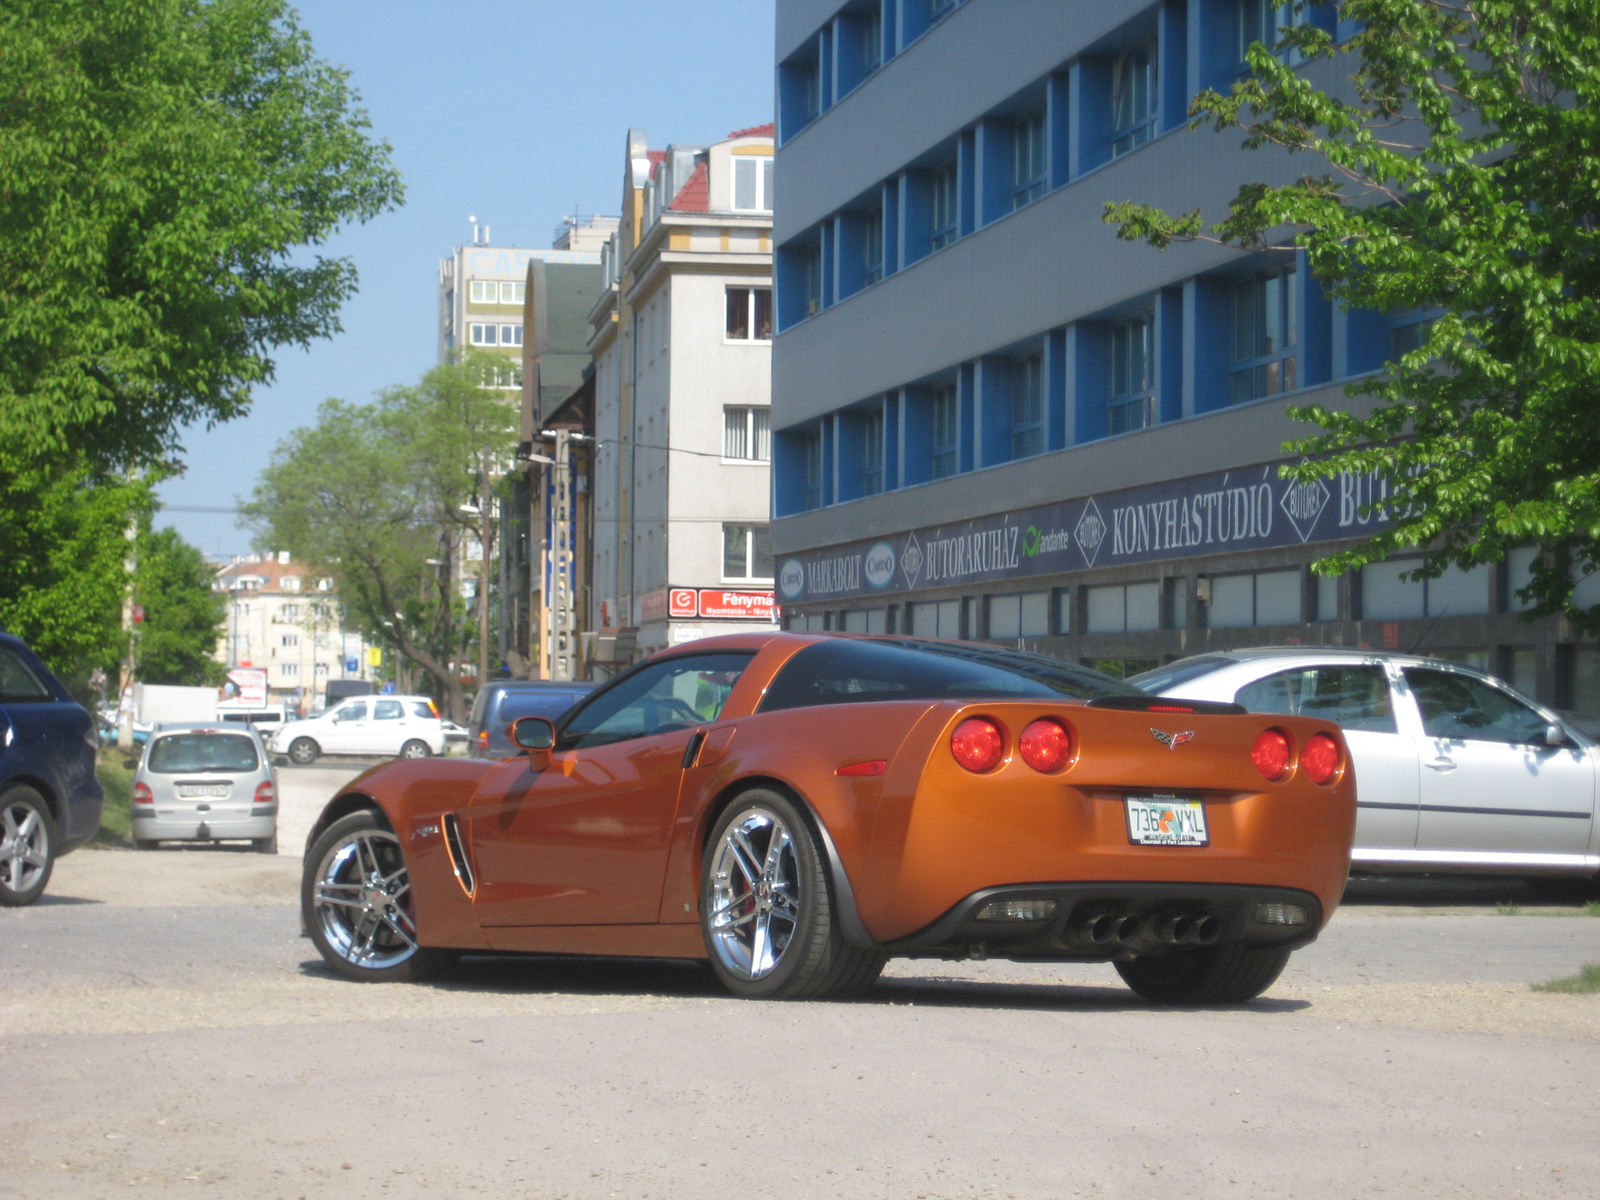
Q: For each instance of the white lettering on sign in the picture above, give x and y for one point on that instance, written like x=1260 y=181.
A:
x=978 y=553
x=829 y=575
x=1228 y=514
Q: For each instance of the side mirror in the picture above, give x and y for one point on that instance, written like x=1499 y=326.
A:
x=1554 y=735
x=537 y=735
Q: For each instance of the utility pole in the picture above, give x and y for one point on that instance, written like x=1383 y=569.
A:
x=563 y=633
x=485 y=498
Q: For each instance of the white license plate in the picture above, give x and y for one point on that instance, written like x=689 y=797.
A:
x=1159 y=820
x=191 y=790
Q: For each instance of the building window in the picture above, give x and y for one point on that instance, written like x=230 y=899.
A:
x=944 y=205
x=482 y=335
x=289 y=640
x=489 y=291
x=813 y=274
x=871 y=41
x=512 y=293
x=1456 y=593
x=1133 y=91
x=1408 y=331
x=749 y=314
x=290 y=583
x=752 y=183
x=1132 y=401
x=938 y=619
x=812 y=497
x=289 y=670
x=1257 y=23
x=502 y=375
x=321 y=669
x=1130 y=608
x=872 y=452
x=1022 y=616
x=511 y=335
x=945 y=425
x=747 y=433
x=1027 y=406
x=287 y=612
x=746 y=552
x=1264 y=338
x=1027 y=160
x=1271 y=598
x=872 y=247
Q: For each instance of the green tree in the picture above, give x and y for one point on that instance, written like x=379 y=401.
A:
x=182 y=615
x=164 y=164
x=387 y=497
x=63 y=542
x=1458 y=173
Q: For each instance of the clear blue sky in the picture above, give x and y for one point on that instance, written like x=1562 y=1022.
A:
x=514 y=111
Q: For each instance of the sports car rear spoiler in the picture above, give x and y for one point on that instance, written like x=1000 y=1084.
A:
x=1161 y=704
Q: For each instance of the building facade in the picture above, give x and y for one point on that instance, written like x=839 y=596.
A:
x=681 y=339
x=994 y=420
x=286 y=619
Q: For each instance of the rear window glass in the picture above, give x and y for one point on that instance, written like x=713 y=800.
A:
x=534 y=704
x=1171 y=675
x=849 y=671
x=183 y=752
x=18 y=682
x=422 y=709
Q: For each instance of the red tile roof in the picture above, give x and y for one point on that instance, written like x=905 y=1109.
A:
x=766 y=130
x=695 y=195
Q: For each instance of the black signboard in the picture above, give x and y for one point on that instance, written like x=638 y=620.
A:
x=1246 y=509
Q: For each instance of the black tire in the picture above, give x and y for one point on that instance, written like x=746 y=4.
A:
x=266 y=845
x=304 y=751
x=416 y=748
x=815 y=961
x=27 y=846
x=335 y=934
x=146 y=844
x=1228 y=974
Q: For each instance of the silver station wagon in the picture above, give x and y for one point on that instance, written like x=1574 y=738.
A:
x=205 y=783
x=1454 y=770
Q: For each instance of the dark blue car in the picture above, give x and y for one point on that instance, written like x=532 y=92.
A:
x=50 y=799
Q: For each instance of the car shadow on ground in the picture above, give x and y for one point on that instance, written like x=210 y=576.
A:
x=1468 y=891
x=51 y=898
x=682 y=979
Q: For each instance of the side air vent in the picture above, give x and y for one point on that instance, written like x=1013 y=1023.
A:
x=458 y=855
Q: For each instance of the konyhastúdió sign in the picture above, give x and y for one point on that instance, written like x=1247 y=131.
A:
x=1246 y=509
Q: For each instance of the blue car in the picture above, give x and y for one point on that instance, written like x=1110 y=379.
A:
x=50 y=799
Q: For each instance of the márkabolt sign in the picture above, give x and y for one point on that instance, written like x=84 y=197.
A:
x=1247 y=509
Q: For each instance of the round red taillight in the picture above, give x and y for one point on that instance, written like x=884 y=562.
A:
x=1271 y=753
x=977 y=744
x=1320 y=758
x=142 y=794
x=1045 y=745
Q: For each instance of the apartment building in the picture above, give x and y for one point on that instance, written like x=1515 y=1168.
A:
x=681 y=339
x=286 y=619
x=993 y=420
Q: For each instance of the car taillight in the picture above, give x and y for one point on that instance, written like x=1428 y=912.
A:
x=977 y=744
x=483 y=739
x=142 y=794
x=1320 y=758
x=266 y=793
x=1271 y=754
x=1045 y=745
x=434 y=709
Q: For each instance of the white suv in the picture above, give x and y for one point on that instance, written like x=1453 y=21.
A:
x=407 y=726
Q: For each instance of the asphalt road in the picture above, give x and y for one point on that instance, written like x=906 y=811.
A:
x=164 y=1029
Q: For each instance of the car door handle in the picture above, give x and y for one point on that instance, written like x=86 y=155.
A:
x=1441 y=764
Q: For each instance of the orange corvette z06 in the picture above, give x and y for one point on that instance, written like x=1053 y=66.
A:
x=798 y=808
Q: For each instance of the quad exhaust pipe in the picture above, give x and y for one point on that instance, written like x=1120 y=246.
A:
x=1111 y=930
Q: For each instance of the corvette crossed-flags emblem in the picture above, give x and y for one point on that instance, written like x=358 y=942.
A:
x=1172 y=740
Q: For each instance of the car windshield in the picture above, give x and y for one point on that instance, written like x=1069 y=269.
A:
x=180 y=753
x=851 y=671
x=1171 y=675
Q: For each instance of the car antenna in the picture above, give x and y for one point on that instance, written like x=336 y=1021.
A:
x=1428 y=629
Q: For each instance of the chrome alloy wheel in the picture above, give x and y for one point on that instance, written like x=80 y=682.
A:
x=362 y=900
x=24 y=846
x=755 y=893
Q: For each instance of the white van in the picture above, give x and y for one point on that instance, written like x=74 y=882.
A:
x=266 y=720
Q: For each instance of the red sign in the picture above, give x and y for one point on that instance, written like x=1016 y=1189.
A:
x=748 y=606
x=138 y=613
x=653 y=605
x=680 y=602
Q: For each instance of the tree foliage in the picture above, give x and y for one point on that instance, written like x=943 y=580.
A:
x=163 y=166
x=63 y=546
x=1457 y=173
x=384 y=497
x=182 y=615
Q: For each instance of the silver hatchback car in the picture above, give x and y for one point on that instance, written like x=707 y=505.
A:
x=1455 y=771
x=205 y=783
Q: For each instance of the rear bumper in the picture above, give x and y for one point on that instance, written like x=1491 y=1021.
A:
x=198 y=829
x=1103 y=920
